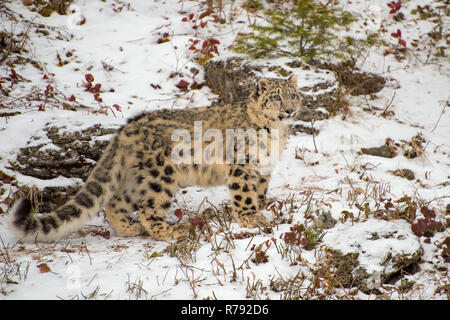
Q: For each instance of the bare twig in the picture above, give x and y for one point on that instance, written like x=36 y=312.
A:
x=388 y=106
x=446 y=104
x=314 y=135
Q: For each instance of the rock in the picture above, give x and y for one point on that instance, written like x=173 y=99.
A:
x=45 y=200
x=404 y=173
x=383 y=151
x=362 y=83
x=235 y=78
x=9 y=114
x=358 y=83
x=232 y=79
x=304 y=129
x=368 y=254
x=59 y=6
x=74 y=157
x=324 y=220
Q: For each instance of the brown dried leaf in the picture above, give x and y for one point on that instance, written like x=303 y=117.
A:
x=43 y=268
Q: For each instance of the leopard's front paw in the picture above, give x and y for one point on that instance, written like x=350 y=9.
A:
x=252 y=221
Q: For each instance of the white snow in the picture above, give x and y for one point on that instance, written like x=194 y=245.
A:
x=93 y=267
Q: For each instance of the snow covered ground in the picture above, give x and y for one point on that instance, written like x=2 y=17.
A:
x=118 y=45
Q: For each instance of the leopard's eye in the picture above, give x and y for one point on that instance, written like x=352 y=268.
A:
x=294 y=96
x=277 y=98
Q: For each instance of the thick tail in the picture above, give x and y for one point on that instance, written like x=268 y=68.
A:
x=71 y=216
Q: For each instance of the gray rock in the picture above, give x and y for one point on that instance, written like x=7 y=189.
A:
x=362 y=83
x=74 y=157
x=235 y=78
x=404 y=173
x=382 y=151
x=324 y=220
x=367 y=254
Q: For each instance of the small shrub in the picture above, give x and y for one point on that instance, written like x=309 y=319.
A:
x=395 y=6
x=205 y=49
x=426 y=227
x=260 y=251
x=313 y=236
x=305 y=31
x=306 y=237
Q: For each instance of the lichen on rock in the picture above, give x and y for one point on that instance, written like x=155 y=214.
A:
x=367 y=254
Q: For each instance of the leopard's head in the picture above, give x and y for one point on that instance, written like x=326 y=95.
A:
x=279 y=98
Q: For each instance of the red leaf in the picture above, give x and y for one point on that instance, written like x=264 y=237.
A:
x=191 y=16
x=388 y=205
x=179 y=214
x=289 y=238
x=43 y=268
x=304 y=242
x=89 y=77
x=82 y=21
x=87 y=85
x=402 y=42
x=397 y=34
x=417 y=228
x=182 y=84
x=162 y=40
x=97 y=97
x=428 y=213
x=395 y=6
x=216 y=18
x=72 y=98
x=97 y=87
x=117 y=107
x=199 y=222
x=447 y=242
x=425 y=227
x=13 y=74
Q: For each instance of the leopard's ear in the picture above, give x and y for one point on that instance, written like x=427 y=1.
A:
x=293 y=78
x=263 y=85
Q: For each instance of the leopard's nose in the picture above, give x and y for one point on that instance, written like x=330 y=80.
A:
x=289 y=111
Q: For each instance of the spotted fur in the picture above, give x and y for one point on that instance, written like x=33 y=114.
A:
x=136 y=171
